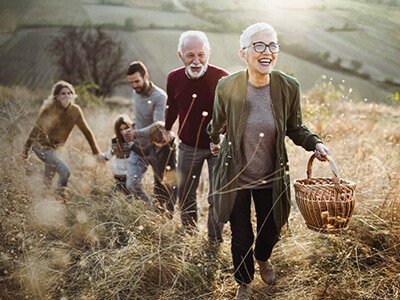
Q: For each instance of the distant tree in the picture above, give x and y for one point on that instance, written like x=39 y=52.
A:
x=356 y=64
x=337 y=64
x=130 y=24
x=89 y=56
x=394 y=98
x=324 y=56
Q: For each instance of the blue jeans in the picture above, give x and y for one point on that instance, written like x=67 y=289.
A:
x=137 y=166
x=53 y=165
x=159 y=159
x=190 y=164
x=243 y=236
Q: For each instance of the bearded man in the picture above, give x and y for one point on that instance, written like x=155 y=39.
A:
x=149 y=103
x=190 y=91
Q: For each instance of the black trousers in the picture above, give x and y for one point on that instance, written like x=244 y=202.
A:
x=242 y=232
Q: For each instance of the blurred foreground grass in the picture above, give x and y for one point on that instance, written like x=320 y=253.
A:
x=97 y=245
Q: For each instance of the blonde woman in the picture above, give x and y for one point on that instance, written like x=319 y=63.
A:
x=57 y=117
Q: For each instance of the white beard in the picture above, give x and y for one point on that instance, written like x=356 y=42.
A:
x=196 y=75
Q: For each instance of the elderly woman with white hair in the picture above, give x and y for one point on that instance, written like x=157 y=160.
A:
x=256 y=109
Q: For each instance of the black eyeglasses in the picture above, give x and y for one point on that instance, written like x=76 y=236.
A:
x=261 y=47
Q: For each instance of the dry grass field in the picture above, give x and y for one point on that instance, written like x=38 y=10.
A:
x=97 y=245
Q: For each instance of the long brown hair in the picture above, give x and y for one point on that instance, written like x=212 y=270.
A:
x=121 y=120
x=57 y=87
x=157 y=133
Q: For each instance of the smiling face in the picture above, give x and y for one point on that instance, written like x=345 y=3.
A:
x=260 y=65
x=123 y=127
x=194 y=55
x=64 y=97
x=138 y=83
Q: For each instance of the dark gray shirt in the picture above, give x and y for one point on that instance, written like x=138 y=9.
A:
x=258 y=140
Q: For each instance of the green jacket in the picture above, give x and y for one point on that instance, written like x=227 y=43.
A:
x=230 y=114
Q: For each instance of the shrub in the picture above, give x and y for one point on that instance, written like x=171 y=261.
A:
x=90 y=57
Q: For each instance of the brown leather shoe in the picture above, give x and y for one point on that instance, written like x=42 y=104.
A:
x=244 y=292
x=266 y=271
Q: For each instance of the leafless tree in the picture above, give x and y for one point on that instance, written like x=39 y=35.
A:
x=89 y=56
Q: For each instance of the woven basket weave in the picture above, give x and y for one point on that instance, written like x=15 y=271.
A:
x=326 y=204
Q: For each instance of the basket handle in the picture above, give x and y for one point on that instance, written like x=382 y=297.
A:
x=332 y=164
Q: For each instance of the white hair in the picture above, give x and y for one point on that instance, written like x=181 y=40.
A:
x=190 y=35
x=247 y=34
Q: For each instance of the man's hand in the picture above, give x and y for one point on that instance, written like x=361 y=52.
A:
x=129 y=134
x=214 y=148
x=169 y=135
x=101 y=158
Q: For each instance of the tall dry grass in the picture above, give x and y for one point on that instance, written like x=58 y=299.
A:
x=98 y=245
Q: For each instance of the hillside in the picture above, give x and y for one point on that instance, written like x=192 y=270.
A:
x=354 y=32
x=96 y=244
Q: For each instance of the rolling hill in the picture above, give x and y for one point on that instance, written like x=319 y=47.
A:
x=354 y=33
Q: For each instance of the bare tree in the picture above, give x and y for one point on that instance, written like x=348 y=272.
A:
x=90 y=56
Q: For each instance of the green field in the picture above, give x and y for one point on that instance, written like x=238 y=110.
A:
x=363 y=35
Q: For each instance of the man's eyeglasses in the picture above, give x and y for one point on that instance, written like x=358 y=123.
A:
x=261 y=47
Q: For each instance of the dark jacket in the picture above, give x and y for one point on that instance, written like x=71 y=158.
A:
x=161 y=159
x=231 y=112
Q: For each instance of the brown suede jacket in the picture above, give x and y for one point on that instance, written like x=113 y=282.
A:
x=54 y=125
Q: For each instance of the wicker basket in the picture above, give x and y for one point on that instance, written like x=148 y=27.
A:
x=326 y=204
